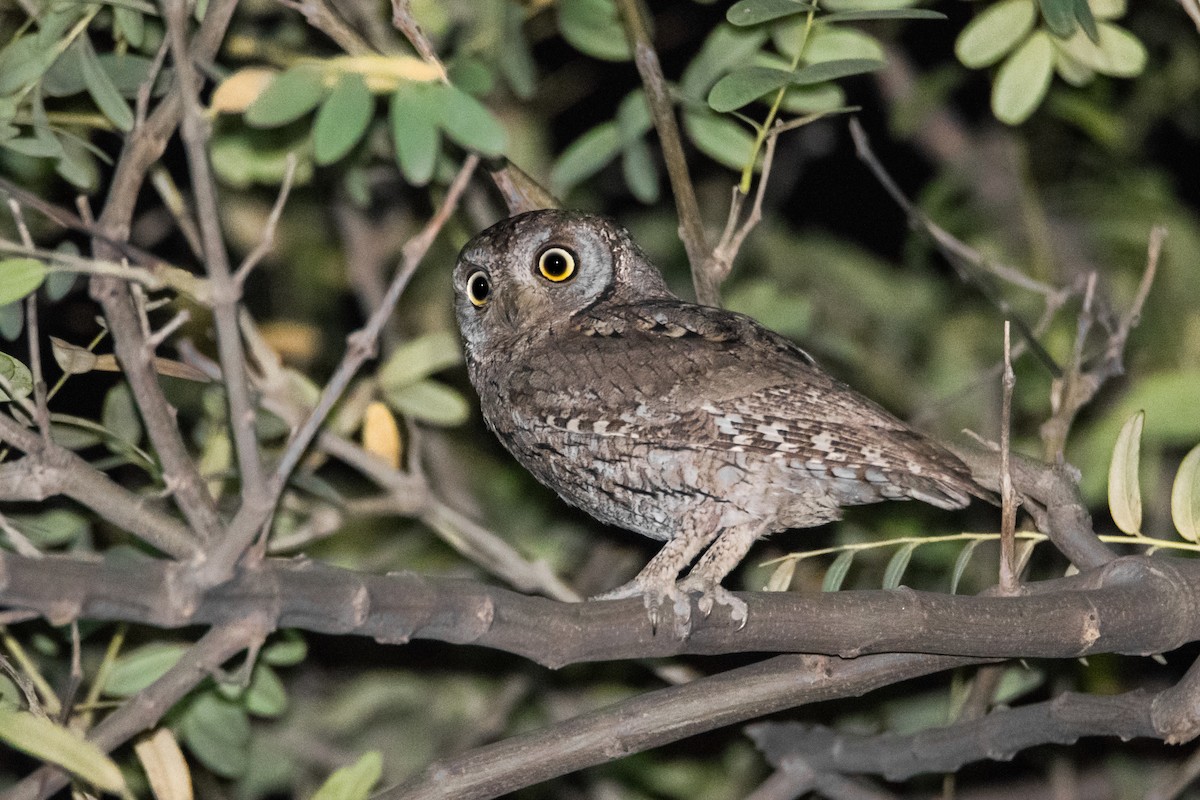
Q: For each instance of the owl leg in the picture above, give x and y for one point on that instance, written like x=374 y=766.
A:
x=718 y=561
x=655 y=584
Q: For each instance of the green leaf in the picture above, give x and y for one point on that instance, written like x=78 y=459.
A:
x=1064 y=16
x=22 y=62
x=286 y=99
x=832 y=70
x=129 y=25
x=837 y=44
x=102 y=89
x=882 y=13
x=429 y=401
x=1185 y=497
x=725 y=48
x=752 y=12
x=585 y=156
x=835 y=576
x=593 y=27
x=1116 y=52
x=353 y=782
x=419 y=358
x=996 y=31
x=218 y=734
x=744 y=86
x=633 y=116
x=720 y=138
x=286 y=651
x=19 y=378
x=265 y=696
x=1016 y=683
x=415 y=116
x=469 y=123
x=897 y=565
x=120 y=416
x=514 y=59
x=1124 y=485
x=39 y=737
x=78 y=166
x=960 y=564
x=137 y=669
x=1023 y=80
x=12 y=321
x=811 y=99
x=19 y=278
x=53 y=528
x=1071 y=70
x=641 y=174
x=342 y=119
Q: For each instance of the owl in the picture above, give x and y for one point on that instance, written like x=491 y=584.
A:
x=689 y=424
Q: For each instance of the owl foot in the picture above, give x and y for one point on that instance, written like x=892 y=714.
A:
x=715 y=594
x=654 y=597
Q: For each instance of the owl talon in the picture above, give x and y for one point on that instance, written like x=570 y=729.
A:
x=717 y=595
x=654 y=598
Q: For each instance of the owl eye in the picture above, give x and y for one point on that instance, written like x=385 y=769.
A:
x=556 y=264
x=479 y=288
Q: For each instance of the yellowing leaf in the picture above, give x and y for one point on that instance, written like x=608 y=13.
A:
x=235 y=94
x=42 y=739
x=1185 y=497
x=380 y=434
x=1124 y=488
x=165 y=766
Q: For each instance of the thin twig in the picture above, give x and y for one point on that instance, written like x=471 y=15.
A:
x=662 y=111
x=967 y=262
x=406 y=23
x=1008 y=497
x=226 y=294
x=251 y=517
x=267 y=240
x=41 y=406
x=319 y=15
x=144 y=709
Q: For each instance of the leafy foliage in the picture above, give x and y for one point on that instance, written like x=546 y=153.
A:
x=370 y=134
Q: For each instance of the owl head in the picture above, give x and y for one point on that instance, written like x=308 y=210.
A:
x=533 y=272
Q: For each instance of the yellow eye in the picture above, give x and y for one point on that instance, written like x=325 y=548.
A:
x=556 y=264
x=479 y=288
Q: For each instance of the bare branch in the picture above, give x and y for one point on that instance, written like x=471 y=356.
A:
x=998 y=736
x=662 y=111
x=1008 y=496
x=226 y=291
x=252 y=516
x=406 y=23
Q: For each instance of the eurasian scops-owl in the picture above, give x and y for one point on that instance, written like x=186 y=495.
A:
x=689 y=424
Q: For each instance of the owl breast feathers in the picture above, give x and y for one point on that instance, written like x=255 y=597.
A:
x=686 y=423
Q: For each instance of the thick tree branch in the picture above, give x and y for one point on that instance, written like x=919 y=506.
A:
x=659 y=717
x=51 y=470
x=1134 y=605
x=998 y=736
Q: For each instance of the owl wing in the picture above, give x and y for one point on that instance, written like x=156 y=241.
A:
x=696 y=377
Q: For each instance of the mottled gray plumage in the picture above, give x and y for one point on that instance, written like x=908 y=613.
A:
x=689 y=424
